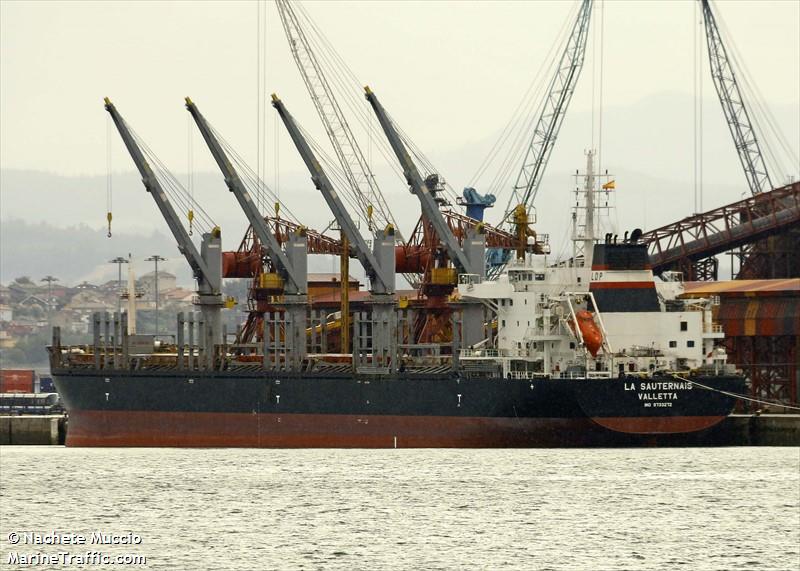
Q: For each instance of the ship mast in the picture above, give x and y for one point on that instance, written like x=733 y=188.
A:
x=588 y=240
x=589 y=200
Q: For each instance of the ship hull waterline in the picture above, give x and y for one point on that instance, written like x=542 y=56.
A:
x=224 y=411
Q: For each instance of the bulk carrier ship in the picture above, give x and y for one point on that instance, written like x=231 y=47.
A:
x=593 y=351
x=569 y=368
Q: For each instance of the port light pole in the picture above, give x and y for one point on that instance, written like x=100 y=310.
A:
x=49 y=279
x=155 y=258
x=119 y=260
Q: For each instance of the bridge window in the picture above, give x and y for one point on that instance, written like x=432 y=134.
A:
x=684 y=326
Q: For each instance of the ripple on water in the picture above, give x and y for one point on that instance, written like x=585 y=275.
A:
x=642 y=510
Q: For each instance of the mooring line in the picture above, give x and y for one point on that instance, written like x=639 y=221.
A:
x=736 y=395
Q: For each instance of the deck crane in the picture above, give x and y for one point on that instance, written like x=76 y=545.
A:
x=355 y=167
x=467 y=259
x=379 y=263
x=733 y=106
x=291 y=265
x=559 y=94
x=206 y=264
x=430 y=209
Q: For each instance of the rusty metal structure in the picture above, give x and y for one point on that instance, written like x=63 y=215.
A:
x=760 y=310
x=762 y=224
x=761 y=320
x=424 y=255
x=251 y=261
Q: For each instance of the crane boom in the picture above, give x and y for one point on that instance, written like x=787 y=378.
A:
x=354 y=165
x=429 y=207
x=381 y=277
x=296 y=281
x=206 y=264
x=153 y=186
x=736 y=115
x=559 y=94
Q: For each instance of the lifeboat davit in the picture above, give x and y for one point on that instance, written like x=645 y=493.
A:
x=592 y=337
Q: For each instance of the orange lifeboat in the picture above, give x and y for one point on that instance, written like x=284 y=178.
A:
x=592 y=337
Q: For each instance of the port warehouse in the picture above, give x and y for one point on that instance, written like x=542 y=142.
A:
x=761 y=321
x=25 y=391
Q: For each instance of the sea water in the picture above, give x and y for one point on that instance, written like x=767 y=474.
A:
x=637 y=509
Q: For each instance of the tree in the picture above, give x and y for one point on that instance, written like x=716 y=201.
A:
x=35 y=347
x=12 y=356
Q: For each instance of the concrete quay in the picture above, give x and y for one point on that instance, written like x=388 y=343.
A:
x=759 y=430
x=32 y=429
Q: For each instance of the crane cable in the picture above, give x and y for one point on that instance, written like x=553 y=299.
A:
x=698 y=113
x=190 y=169
x=528 y=120
x=171 y=186
x=109 y=181
x=332 y=59
x=264 y=106
x=763 y=117
x=516 y=125
x=600 y=90
x=249 y=177
x=695 y=65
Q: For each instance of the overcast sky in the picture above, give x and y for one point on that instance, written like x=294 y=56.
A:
x=448 y=72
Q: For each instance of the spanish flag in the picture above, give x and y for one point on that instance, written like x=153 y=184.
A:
x=610 y=185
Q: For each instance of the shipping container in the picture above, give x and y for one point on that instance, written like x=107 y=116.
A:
x=46 y=385
x=16 y=380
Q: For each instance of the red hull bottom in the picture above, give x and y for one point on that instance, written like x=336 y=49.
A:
x=658 y=424
x=227 y=430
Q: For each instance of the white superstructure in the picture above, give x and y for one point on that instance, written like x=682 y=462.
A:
x=601 y=314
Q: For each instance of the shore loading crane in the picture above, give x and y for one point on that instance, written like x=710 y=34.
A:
x=545 y=133
x=378 y=262
x=290 y=276
x=734 y=108
x=756 y=259
x=206 y=264
x=372 y=206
